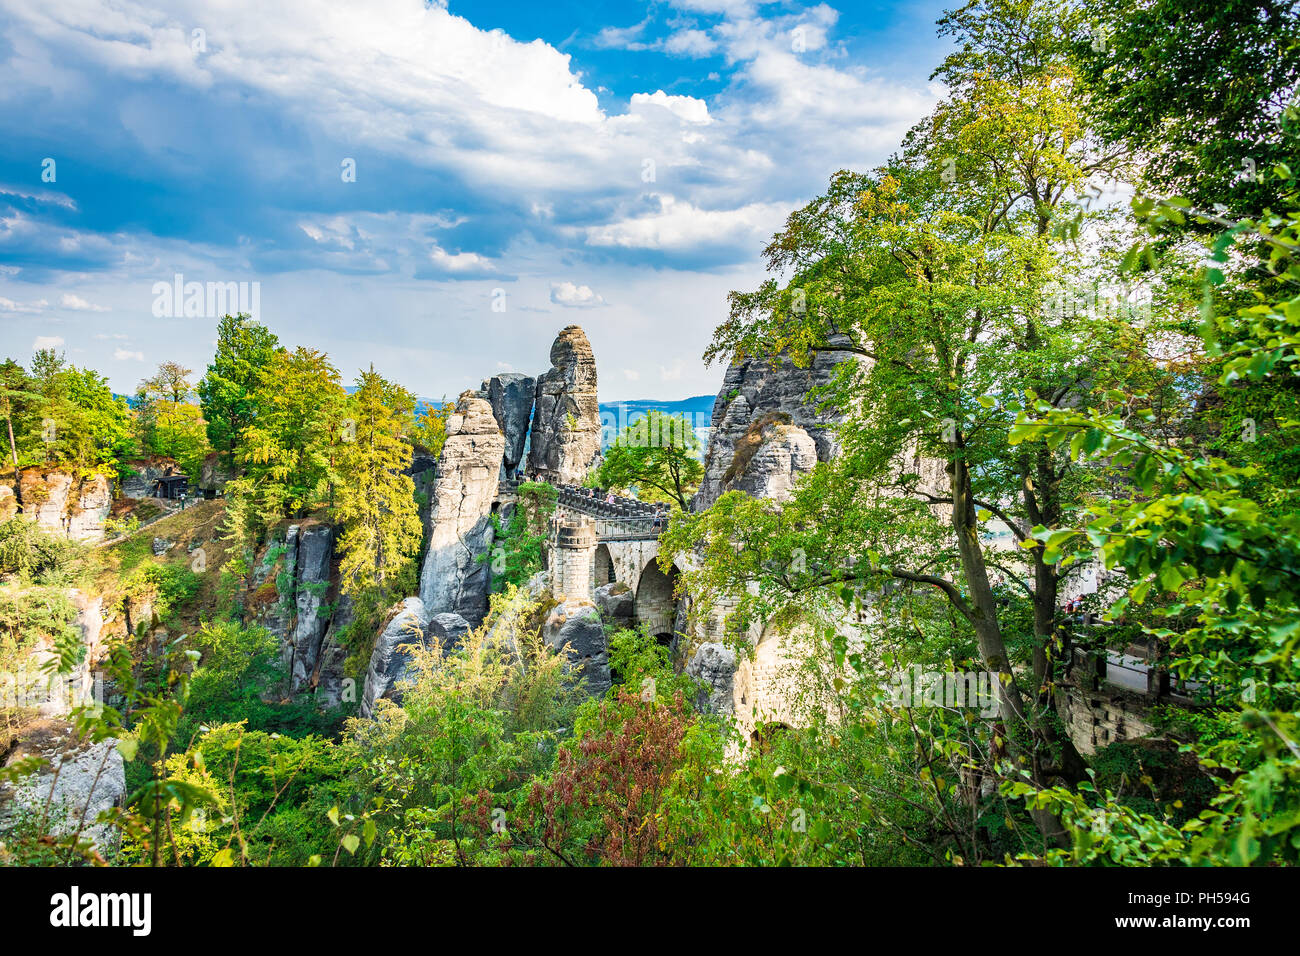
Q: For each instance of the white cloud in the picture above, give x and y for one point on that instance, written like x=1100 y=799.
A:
x=124 y=354
x=574 y=296
x=694 y=43
x=679 y=225
x=78 y=304
x=687 y=108
x=467 y=262
x=632 y=375
x=47 y=342
x=10 y=305
x=672 y=374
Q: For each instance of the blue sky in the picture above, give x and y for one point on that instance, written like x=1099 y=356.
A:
x=519 y=167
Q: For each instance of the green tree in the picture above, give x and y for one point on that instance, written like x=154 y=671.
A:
x=288 y=452
x=1204 y=93
x=244 y=350
x=658 y=456
x=169 y=424
x=1220 y=555
x=376 y=499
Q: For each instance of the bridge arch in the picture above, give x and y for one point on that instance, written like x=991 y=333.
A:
x=603 y=566
x=656 y=603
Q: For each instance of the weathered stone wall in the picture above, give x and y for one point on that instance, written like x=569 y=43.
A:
x=571 y=558
x=1097 y=718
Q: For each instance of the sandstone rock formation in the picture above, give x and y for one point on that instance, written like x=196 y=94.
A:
x=754 y=390
x=389 y=665
x=141 y=473
x=448 y=629
x=714 y=666
x=315 y=545
x=452 y=577
x=769 y=458
x=80 y=780
x=72 y=505
x=512 y=396
x=576 y=623
x=328 y=680
x=565 y=436
x=213 y=476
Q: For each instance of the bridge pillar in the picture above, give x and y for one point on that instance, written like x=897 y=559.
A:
x=571 y=558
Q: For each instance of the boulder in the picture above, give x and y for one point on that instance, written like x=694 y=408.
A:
x=511 y=396
x=390 y=666
x=161 y=546
x=565 y=437
x=577 y=624
x=448 y=629
x=80 y=781
x=616 y=602
x=452 y=577
x=714 y=666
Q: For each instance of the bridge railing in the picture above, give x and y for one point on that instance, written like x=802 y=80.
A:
x=619 y=518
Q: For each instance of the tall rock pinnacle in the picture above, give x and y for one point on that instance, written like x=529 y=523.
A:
x=565 y=437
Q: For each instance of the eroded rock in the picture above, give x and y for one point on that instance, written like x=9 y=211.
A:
x=565 y=436
x=390 y=665
x=452 y=577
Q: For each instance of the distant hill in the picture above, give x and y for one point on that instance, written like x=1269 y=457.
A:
x=700 y=408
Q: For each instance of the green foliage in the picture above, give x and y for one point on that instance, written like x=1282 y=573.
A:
x=57 y=413
x=1225 y=556
x=376 y=500
x=227 y=392
x=520 y=544
x=657 y=456
x=289 y=453
x=31 y=553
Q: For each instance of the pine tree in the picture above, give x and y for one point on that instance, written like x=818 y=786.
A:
x=376 y=500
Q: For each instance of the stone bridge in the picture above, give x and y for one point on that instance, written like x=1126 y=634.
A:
x=606 y=551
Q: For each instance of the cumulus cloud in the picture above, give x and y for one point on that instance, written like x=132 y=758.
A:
x=478 y=157
x=687 y=108
x=78 y=304
x=47 y=342
x=124 y=354
x=10 y=305
x=574 y=296
x=679 y=225
x=694 y=43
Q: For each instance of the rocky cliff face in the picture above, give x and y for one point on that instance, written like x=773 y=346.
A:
x=512 y=396
x=298 y=570
x=565 y=436
x=756 y=394
x=389 y=664
x=452 y=578
x=68 y=504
